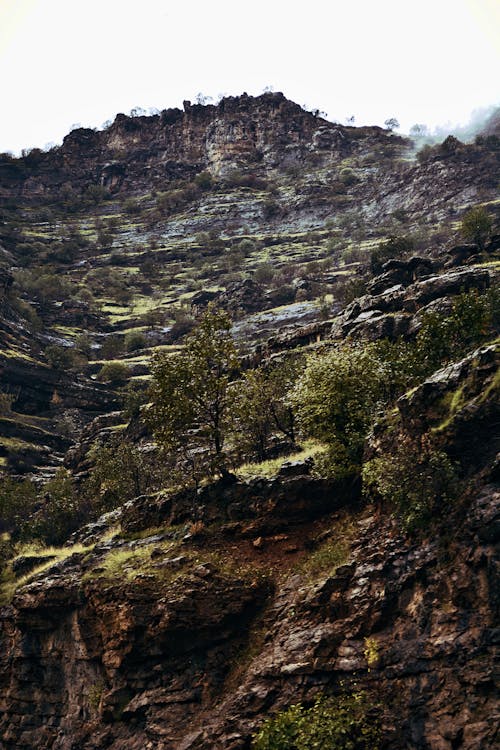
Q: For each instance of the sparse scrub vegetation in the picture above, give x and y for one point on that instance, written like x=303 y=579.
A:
x=416 y=480
x=344 y=722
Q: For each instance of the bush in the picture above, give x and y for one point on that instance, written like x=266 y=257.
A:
x=394 y=247
x=132 y=206
x=442 y=338
x=120 y=473
x=476 y=226
x=115 y=373
x=6 y=401
x=60 y=357
x=348 y=177
x=204 y=180
x=336 y=401
x=135 y=340
x=62 y=511
x=419 y=482
x=349 y=722
x=17 y=502
x=264 y=273
x=134 y=396
x=270 y=208
x=112 y=346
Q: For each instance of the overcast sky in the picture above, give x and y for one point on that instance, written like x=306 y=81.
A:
x=64 y=62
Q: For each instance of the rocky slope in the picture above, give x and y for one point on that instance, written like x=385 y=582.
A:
x=181 y=621
x=186 y=640
x=254 y=201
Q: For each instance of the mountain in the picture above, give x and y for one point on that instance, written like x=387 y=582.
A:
x=182 y=618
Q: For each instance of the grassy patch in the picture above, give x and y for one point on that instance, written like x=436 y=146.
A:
x=334 y=552
x=271 y=467
x=126 y=564
x=9 y=584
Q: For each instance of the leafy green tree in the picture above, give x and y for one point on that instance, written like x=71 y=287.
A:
x=121 y=471
x=442 y=338
x=476 y=226
x=60 y=357
x=190 y=393
x=17 y=503
x=253 y=424
x=115 y=373
x=62 y=511
x=337 y=399
x=262 y=406
x=418 y=481
x=135 y=340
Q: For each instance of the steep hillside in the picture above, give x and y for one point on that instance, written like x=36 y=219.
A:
x=130 y=230
x=342 y=548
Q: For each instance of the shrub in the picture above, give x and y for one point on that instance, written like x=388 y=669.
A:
x=115 y=373
x=418 y=481
x=264 y=273
x=442 y=338
x=204 y=180
x=62 y=511
x=132 y=206
x=190 y=391
x=135 y=340
x=261 y=407
x=336 y=401
x=394 y=247
x=121 y=472
x=96 y=193
x=348 y=177
x=476 y=226
x=349 y=722
x=17 y=502
x=112 y=346
x=270 y=208
x=60 y=357
x=134 y=396
x=6 y=401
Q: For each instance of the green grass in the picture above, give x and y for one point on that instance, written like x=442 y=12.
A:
x=126 y=564
x=271 y=467
x=334 y=552
x=9 y=584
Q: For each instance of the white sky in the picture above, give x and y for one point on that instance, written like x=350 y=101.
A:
x=81 y=61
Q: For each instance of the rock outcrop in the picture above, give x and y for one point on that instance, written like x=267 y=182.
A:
x=187 y=654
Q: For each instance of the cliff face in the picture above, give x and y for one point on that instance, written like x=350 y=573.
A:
x=137 y=152
x=185 y=656
x=184 y=636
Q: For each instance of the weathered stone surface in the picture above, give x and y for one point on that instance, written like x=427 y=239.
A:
x=145 y=663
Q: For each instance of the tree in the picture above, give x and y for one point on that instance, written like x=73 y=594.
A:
x=115 y=373
x=121 y=471
x=262 y=407
x=419 y=130
x=476 y=226
x=191 y=398
x=336 y=401
x=391 y=123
